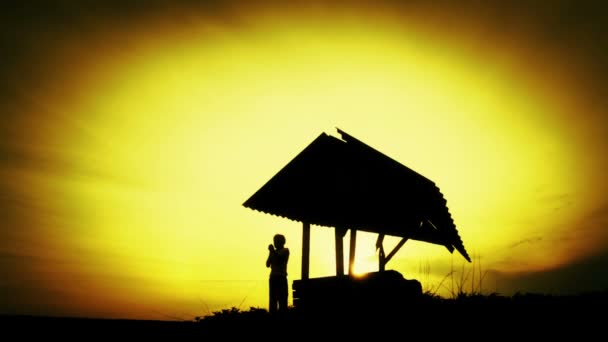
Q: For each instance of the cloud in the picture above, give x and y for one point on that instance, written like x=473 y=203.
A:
x=599 y=215
x=526 y=241
x=586 y=275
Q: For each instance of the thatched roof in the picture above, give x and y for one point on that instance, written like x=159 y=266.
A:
x=345 y=183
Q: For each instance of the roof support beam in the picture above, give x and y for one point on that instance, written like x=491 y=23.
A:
x=380 y=249
x=382 y=258
x=305 y=249
x=351 y=251
x=340 y=232
x=395 y=250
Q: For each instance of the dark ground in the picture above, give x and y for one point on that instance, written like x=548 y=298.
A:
x=470 y=317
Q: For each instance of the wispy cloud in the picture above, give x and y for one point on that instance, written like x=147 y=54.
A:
x=18 y=159
x=532 y=240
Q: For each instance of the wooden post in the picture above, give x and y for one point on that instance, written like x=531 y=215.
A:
x=339 y=251
x=351 y=251
x=380 y=248
x=305 y=249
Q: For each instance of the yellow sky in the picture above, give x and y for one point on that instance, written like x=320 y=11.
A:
x=159 y=143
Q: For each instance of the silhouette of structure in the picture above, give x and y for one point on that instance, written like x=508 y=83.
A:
x=346 y=184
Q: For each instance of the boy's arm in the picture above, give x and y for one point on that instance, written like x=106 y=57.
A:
x=271 y=251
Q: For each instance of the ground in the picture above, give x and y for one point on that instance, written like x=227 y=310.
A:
x=469 y=316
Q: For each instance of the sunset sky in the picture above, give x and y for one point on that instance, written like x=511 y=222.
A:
x=132 y=133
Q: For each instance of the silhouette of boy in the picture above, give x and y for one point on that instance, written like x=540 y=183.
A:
x=278 y=256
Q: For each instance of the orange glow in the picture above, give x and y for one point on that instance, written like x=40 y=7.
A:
x=164 y=147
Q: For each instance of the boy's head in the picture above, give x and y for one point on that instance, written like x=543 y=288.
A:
x=279 y=241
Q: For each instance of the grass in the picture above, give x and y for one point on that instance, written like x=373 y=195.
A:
x=456 y=282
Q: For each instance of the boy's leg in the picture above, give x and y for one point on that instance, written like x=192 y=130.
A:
x=283 y=294
x=272 y=296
